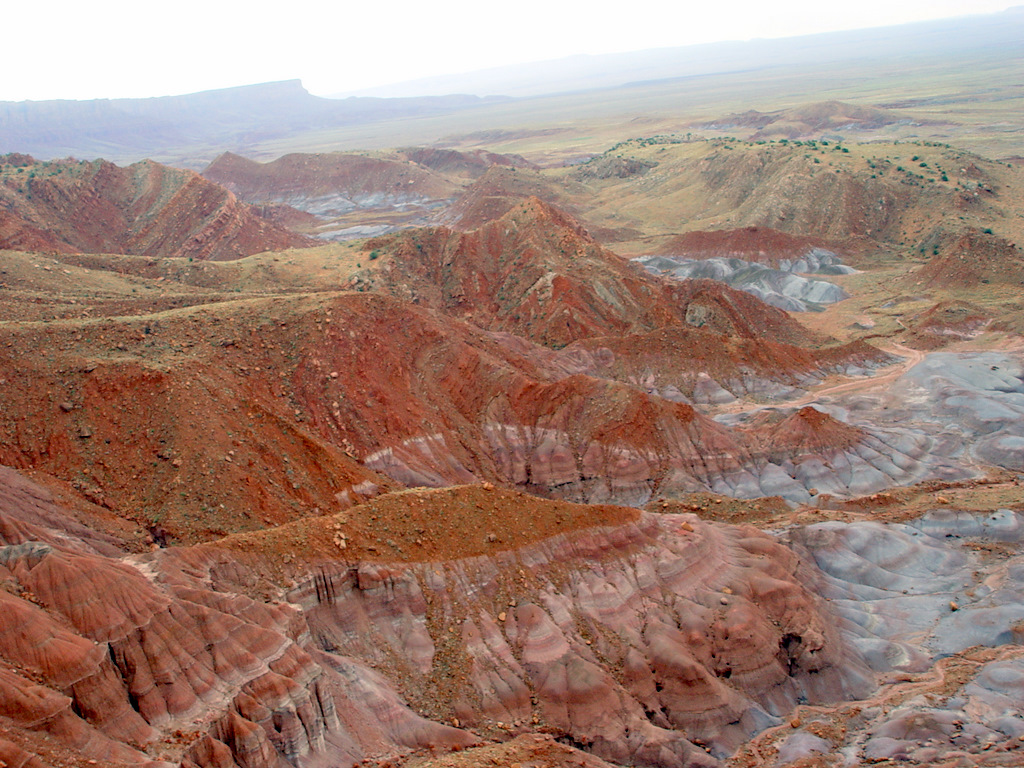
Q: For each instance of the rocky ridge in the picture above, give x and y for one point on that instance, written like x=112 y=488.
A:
x=146 y=209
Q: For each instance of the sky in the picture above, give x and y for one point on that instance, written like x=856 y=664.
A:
x=69 y=49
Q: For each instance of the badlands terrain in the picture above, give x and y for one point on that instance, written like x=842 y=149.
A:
x=692 y=450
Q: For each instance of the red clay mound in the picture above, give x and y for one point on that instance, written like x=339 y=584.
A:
x=471 y=164
x=496 y=193
x=762 y=245
x=973 y=258
x=714 y=306
x=682 y=356
x=537 y=273
x=146 y=209
x=810 y=431
x=311 y=176
x=947 y=322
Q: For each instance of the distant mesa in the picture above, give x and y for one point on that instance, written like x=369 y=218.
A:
x=184 y=127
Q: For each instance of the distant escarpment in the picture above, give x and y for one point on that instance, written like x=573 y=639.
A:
x=146 y=209
x=200 y=125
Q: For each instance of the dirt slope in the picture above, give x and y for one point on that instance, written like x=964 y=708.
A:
x=855 y=196
x=971 y=259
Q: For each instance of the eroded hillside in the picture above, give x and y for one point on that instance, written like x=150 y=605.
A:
x=488 y=491
x=146 y=209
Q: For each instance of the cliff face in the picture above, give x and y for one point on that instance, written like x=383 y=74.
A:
x=146 y=209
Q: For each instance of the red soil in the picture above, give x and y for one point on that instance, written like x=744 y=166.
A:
x=145 y=209
x=970 y=259
x=316 y=175
x=762 y=245
x=537 y=273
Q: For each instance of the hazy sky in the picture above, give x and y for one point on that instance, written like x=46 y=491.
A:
x=118 y=48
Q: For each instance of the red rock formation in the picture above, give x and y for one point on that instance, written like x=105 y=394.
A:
x=108 y=657
x=629 y=634
x=497 y=192
x=145 y=209
x=536 y=272
x=309 y=176
x=297 y=405
x=712 y=662
x=970 y=259
x=810 y=431
x=471 y=164
x=762 y=245
x=947 y=322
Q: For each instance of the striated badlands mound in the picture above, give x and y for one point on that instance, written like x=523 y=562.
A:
x=972 y=258
x=626 y=634
x=146 y=209
x=762 y=245
x=538 y=273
